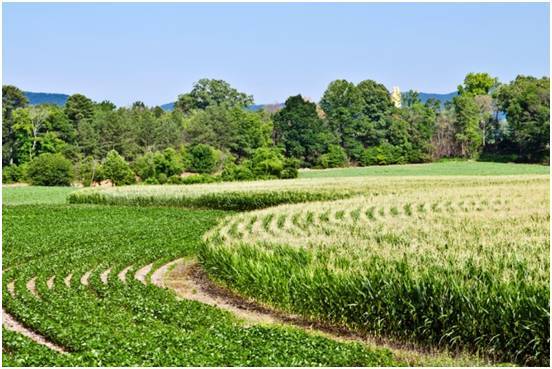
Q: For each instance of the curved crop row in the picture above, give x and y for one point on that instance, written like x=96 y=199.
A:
x=461 y=266
x=78 y=276
x=244 y=196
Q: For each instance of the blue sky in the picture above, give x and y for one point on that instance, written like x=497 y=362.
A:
x=153 y=52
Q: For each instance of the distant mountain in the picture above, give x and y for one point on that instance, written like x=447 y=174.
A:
x=37 y=98
x=443 y=98
x=168 y=106
x=256 y=107
x=270 y=107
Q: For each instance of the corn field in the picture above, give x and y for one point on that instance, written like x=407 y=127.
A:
x=460 y=263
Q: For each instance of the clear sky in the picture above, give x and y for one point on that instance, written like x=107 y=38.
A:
x=153 y=52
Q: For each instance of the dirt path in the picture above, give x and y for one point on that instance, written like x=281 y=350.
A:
x=67 y=280
x=105 y=275
x=187 y=279
x=122 y=274
x=143 y=272
x=31 y=286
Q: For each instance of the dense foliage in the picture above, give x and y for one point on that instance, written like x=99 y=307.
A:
x=50 y=170
x=212 y=132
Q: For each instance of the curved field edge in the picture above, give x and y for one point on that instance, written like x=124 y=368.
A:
x=499 y=310
x=117 y=323
x=246 y=196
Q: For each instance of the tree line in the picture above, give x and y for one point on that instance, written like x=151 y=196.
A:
x=212 y=133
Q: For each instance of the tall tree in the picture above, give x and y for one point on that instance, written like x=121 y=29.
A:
x=208 y=92
x=29 y=125
x=300 y=132
x=228 y=129
x=12 y=98
x=468 y=132
x=376 y=100
x=477 y=84
x=526 y=102
x=79 y=108
x=343 y=106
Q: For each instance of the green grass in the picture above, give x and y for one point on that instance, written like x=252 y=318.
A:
x=445 y=168
x=463 y=266
x=20 y=195
x=132 y=324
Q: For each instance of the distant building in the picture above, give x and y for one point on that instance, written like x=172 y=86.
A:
x=396 y=97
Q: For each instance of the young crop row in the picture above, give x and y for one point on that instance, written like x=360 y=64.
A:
x=244 y=196
x=459 y=266
x=62 y=267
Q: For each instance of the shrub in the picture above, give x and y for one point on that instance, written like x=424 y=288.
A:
x=174 y=179
x=382 y=155
x=267 y=162
x=168 y=162
x=50 y=170
x=233 y=172
x=200 y=178
x=12 y=174
x=291 y=168
x=116 y=169
x=162 y=178
x=202 y=159
x=144 y=166
x=151 y=180
x=335 y=157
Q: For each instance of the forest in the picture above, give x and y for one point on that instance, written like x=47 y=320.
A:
x=212 y=135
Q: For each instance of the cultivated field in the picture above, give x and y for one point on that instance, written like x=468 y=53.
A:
x=440 y=262
x=459 y=266
x=75 y=275
x=445 y=168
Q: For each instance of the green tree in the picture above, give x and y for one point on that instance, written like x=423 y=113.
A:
x=419 y=123
x=79 y=108
x=50 y=170
x=12 y=98
x=335 y=157
x=526 y=102
x=168 y=162
x=267 y=162
x=477 y=84
x=29 y=125
x=343 y=105
x=202 y=159
x=106 y=105
x=376 y=100
x=116 y=169
x=300 y=132
x=468 y=132
x=228 y=129
x=209 y=92
x=144 y=166
x=116 y=131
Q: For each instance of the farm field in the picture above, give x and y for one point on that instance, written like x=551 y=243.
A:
x=447 y=168
x=130 y=323
x=33 y=195
x=431 y=266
